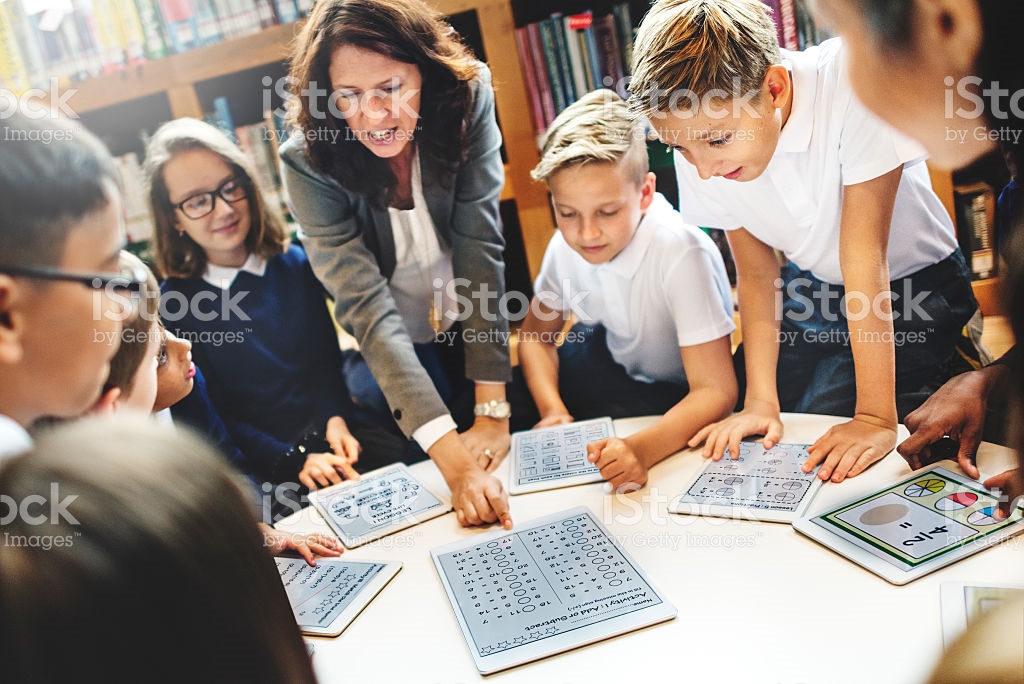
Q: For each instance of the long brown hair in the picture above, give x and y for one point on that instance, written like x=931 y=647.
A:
x=178 y=256
x=407 y=31
x=152 y=565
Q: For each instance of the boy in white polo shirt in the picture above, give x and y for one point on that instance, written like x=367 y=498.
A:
x=779 y=152
x=628 y=267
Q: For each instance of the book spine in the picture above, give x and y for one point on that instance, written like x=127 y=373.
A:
x=624 y=31
x=13 y=76
x=179 y=17
x=287 y=10
x=575 y=59
x=788 y=12
x=562 y=55
x=222 y=114
x=552 y=63
x=153 y=29
x=594 y=58
x=529 y=76
x=208 y=24
x=28 y=45
x=131 y=37
x=542 y=78
x=611 y=54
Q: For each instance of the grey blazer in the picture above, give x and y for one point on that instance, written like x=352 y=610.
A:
x=352 y=251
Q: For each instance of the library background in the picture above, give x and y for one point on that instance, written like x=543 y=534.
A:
x=135 y=64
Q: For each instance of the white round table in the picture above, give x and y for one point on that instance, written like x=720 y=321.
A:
x=757 y=602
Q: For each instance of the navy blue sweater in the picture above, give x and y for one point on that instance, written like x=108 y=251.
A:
x=274 y=377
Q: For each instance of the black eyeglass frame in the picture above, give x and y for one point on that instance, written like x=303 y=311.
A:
x=214 y=195
x=130 y=280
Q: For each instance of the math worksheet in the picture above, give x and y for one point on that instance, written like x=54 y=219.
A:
x=761 y=484
x=556 y=456
x=550 y=585
x=382 y=502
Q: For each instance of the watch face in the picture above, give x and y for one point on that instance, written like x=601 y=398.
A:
x=501 y=410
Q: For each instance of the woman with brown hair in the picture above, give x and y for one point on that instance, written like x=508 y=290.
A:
x=395 y=179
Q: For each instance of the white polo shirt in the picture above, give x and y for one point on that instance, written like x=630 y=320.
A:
x=830 y=140
x=13 y=438
x=665 y=290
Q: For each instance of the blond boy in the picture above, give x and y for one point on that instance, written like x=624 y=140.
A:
x=774 y=148
x=630 y=270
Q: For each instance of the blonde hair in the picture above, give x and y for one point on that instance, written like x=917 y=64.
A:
x=596 y=128
x=137 y=329
x=153 y=561
x=687 y=49
x=178 y=256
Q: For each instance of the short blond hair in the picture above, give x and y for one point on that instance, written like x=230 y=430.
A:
x=597 y=128
x=699 y=46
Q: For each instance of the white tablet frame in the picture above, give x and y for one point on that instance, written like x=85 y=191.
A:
x=847 y=545
x=753 y=514
x=559 y=643
x=351 y=542
x=366 y=594
x=586 y=478
x=954 y=606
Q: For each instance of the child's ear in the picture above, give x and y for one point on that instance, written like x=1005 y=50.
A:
x=106 y=405
x=952 y=28
x=12 y=321
x=647 y=190
x=779 y=85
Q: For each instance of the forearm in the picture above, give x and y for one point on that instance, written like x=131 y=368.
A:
x=760 y=339
x=539 y=362
x=700 y=407
x=452 y=458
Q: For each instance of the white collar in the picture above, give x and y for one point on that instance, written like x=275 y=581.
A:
x=13 y=438
x=223 y=276
x=796 y=134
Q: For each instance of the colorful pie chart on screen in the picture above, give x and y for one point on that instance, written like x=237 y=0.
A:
x=983 y=517
x=955 y=502
x=924 y=488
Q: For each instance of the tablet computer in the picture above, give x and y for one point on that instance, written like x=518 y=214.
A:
x=964 y=602
x=380 y=503
x=556 y=456
x=327 y=598
x=760 y=484
x=914 y=527
x=550 y=585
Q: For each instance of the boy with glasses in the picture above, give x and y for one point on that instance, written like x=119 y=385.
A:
x=61 y=232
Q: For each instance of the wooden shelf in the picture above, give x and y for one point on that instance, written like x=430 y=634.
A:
x=177 y=75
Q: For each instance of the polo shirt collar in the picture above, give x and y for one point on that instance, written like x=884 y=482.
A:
x=803 y=71
x=627 y=262
x=13 y=438
x=223 y=276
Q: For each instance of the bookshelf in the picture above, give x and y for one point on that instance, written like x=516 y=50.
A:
x=945 y=183
x=175 y=86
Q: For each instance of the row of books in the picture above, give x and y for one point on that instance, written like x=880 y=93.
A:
x=78 y=39
x=565 y=57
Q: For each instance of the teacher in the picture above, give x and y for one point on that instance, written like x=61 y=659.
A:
x=393 y=170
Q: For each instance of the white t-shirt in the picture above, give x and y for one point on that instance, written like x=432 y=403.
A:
x=419 y=261
x=13 y=438
x=665 y=290
x=830 y=140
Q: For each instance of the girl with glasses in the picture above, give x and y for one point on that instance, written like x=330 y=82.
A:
x=254 y=312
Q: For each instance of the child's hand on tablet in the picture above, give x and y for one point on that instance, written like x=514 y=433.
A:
x=323 y=470
x=307 y=545
x=756 y=418
x=849 y=448
x=618 y=463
